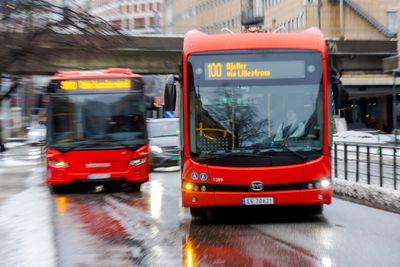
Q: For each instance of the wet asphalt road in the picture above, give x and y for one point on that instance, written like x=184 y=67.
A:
x=16 y=164
x=149 y=228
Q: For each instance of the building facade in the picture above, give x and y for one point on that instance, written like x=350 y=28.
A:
x=210 y=16
x=130 y=16
x=371 y=98
x=360 y=19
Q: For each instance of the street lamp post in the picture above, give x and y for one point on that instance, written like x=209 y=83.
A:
x=394 y=94
x=341 y=11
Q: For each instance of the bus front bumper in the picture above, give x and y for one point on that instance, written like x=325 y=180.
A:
x=292 y=197
x=64 y=176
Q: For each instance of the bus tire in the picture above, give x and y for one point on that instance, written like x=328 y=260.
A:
x=56 y=189
x=315 y=209
x=134 y=187
x=198 y=213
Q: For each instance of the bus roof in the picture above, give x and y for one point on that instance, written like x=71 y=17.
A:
x=95 y=74
x=311 y=39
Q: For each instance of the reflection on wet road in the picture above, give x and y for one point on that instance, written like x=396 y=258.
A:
x=120 y=229
x=149 y=228
x=16 y=165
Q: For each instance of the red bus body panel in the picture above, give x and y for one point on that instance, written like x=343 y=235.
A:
x=291 y=174
x=80 y=161
x=316 y=170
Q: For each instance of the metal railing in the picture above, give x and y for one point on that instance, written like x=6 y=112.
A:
x=365 y=163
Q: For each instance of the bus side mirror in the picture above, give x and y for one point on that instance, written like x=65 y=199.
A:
x=170 y=94
x=340 y=95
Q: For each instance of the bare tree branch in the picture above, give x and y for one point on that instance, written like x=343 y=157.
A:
x=24 y=22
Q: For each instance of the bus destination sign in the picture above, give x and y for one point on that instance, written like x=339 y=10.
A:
x=236 y=70
x=96 y=84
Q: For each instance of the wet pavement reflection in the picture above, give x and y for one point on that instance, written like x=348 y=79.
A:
x=149 y=228
x=103 y=226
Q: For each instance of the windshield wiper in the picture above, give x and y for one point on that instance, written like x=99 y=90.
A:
x=81 y=144
x=108 y=139
x=164 y=135
x=229 y=154
x=287 y=149
x=95 y=142
x=244 y=154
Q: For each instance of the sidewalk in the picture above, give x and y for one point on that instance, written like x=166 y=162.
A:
x=26 y=231
x=15 y=165
x=14 y=142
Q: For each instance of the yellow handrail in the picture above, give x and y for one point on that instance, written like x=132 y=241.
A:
x=202 y=133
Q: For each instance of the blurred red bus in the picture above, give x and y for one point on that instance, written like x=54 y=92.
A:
x=96 y=128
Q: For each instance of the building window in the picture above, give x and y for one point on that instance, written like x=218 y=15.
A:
x=392 y=21
x=310 y=2
x=139 y=23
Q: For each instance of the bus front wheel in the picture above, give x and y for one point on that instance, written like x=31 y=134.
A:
x=198 y=213
x=315 y=209
x=134 y=187
x=57 y=189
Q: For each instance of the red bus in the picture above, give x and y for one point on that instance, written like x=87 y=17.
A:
x=96 y=128
x=255 y=120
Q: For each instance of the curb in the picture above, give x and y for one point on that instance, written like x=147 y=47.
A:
x=368 y=195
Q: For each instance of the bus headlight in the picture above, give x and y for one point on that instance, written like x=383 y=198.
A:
x=136 y=162
x=325 y=183
x=58 y=164
x=188 y=186
x=156 y=149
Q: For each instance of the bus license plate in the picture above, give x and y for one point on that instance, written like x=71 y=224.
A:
x=257 y=201
x=95 y=176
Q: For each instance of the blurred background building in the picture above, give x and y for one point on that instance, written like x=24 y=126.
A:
x=361 y=19
x=129 y=16
x=208 y=16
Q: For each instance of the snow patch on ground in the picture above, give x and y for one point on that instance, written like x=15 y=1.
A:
x=363 y=137
x=168 y=169
x=26 y=228
x=8 y=162
x=10 y=145
x=383 y=198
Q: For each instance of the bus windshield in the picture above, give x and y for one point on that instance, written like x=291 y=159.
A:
x=116 y=119
x=258 y=103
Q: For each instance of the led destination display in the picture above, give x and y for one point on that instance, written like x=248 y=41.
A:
x=235 y=70
x=96 y=84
